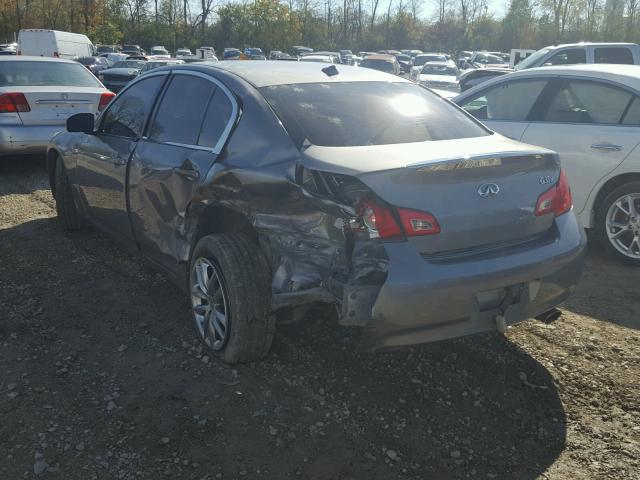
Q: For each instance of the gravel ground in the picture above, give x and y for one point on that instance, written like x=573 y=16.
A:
x=102 y=378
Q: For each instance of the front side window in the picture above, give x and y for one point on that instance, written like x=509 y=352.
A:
x=181 y=112
x=367 y=113
x=632 y=117
x=570 y=56
x=507 y=101
x=588 y=102
x=128 y=113
x=621 y=55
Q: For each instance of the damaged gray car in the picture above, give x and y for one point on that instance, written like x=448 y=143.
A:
x=263 y=188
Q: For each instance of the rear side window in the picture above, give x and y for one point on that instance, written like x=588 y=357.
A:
x=216 y=119
x=613 y=55
x=367 y=113
x=510 y=101
x=127 y=114
x=34 y=74
x=588 y=102
x=570 y=56
x=182 y=110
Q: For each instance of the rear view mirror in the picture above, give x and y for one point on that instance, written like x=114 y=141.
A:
x=81 y=122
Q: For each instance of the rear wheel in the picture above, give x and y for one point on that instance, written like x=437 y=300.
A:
x=230 y=288
x=68 y=214
x=618 y=223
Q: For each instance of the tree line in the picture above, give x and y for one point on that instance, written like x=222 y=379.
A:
x=328 y=24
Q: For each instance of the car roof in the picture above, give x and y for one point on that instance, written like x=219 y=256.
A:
x=592 y=44
x=28 y=58
x=627 y=74
x=441 y=64
x=381 y=56
x=268 y=73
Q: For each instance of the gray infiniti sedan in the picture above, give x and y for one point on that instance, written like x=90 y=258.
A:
x=263 y=188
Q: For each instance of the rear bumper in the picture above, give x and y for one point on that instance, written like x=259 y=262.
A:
x=422 y=302
x=26 y=139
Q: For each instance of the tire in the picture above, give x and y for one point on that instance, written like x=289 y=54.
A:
x=236 y=276
x=68 y=214
x=615 y=248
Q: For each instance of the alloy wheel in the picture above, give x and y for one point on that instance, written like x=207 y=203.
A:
x=209 y=303
x=623 y=225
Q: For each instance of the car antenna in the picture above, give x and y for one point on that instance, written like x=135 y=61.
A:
x=331 y=71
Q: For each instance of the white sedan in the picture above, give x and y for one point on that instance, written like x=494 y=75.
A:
x=439 y=75
x=37 y=95
x=590 y=115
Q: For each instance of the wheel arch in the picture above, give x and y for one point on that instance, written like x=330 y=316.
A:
x=607 y=188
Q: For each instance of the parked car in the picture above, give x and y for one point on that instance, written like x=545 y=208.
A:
x=420 y=60
x=114 y=58
x=335 y=56
x=94 y=64
x=53 y=43
x=133 y=50
x=116 y=77
x=470 y=78
x=483 y=60
x=253 y=51
x=231 y=54
x=440 y=75
x=376 y=196
x=405 y=63
x=9 y=49
x=590 y=115
x=346 y=57
x=153 y=64
x=183 y=52
x=284 y=56
x=298 y=50
x=37 y=95
x=100 y=49
x=318 y=58
x=159 y=53
x=384 y=63
x=578 y=53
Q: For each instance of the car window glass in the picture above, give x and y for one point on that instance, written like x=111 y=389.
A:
x=588 y=102
x=366 y=113
x=182 y=110
x=613 y=55
x=216 y=119
x=127 y=114
x=506 y=101
x=570 y=56
x=632 y=117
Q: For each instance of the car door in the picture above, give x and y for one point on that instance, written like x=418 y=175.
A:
x=586 y=122
x=505 y=106
x=102 y=158
x=185 y=137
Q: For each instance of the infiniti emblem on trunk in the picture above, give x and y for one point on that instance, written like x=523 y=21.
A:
x=488 y=190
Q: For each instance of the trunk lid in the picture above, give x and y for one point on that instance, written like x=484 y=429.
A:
x=52 y=105
x=483 y=191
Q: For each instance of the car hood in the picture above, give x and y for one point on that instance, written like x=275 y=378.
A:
x=362 y=160
x=437 y=78
x=122 y=71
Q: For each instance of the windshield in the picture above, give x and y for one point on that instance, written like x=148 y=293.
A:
x=422 y=59
x=382 y=65
x=403 y=58
x=129 y=64
x=439 y=70
x=32 y=74
x=532 y=59
x=367 y=113
x=130 y=47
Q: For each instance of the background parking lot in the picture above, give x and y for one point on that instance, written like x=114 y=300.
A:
x=102 y=378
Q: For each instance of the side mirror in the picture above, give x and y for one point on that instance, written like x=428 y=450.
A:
x=81 y=122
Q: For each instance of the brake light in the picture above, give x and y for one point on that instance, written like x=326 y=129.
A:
x=380 y=221
x=13 y=102
x=556 y=200
x=105 y=98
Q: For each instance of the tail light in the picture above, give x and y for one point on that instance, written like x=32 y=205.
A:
x=13 y=102
x=105 y=98
x=381 y=222
x=556 y=200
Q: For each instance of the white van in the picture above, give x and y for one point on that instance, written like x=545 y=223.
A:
x=53 y=43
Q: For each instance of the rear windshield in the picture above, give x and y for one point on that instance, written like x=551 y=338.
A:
x=367 y=113
x=382 y=65
x=33 y=74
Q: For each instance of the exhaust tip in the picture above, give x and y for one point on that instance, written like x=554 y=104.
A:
x=550 y=315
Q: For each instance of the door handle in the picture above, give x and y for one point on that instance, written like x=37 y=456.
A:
x=606 y=147
x=187 y=172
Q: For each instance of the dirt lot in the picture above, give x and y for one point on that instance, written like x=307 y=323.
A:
x=101 y=377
